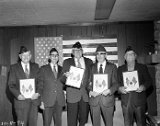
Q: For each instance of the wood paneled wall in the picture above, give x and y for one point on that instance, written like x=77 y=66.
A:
x=140 y=35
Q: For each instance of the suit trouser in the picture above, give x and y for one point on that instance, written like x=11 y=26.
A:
x=77 y=111
x=107 y=114
x=131 y=111
x=27 y=116
x=54 y=112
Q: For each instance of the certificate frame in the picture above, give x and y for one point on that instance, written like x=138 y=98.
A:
x=75 y=78
x=100 y=82
x=27 y=87
x=131 y=80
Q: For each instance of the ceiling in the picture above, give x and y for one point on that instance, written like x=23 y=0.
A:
x=78 y=12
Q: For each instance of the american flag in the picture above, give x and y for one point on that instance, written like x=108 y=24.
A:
x=64 y=47
x=42 y=46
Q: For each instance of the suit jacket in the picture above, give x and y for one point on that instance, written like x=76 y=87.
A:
x=73 y=94
x=52 y=87
x=108 y=100
x=16 y=73
x=144 y=79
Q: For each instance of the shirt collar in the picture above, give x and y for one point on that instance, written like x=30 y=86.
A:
x=103 y=64
x=53 y=65
x=76 y=59
x=23 y=64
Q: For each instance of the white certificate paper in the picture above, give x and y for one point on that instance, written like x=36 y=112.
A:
x=75 y=79
x=100 y=82
x=27 y=87
x=131 y=80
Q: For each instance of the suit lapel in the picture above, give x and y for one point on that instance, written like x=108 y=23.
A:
x=21 y=71
x=59 y=71
x=95 y=70
x=31 y=70
x=49 y=69
x=73 y=62
x=106 y=68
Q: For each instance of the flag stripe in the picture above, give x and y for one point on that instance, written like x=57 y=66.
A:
x=93 y=45
x=92 y=50
x=90 y=41
x=109 y=57
x=90 y=54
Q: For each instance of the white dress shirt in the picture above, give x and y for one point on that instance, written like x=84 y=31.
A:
x=81 y=60
x=103 y=66
x=24 y=66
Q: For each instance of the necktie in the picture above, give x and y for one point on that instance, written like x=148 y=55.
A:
x=79 y=64
x=54 y=71
x=26 y=71
x=101 y=69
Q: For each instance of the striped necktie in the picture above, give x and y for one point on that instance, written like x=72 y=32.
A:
x=101 y=69
x=26 y=71
x=54 y=71
x=79 y=64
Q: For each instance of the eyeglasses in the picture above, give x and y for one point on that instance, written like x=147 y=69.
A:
x=77 y=50
x=101 y=53
x=54 y=55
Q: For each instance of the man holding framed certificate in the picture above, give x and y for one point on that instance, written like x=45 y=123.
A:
x=103 y=84
x=52 y=98
x=76 y=71
x=133 y=79
x=25 y=89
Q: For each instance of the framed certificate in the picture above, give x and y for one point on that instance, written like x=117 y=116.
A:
x=131 y=80
x=27 y=87
x=75 y=79
x=100 y=82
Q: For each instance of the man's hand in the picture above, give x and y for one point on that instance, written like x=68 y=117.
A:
x=141 y=88
x=35 y=96
x=106 y=92
x=123 y=90
x=93 y=94
x=21 y=97
x=67 y=74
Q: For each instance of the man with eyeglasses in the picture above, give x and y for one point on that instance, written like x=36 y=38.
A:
x=102 y=103
x=77 y=98
x=52 y=99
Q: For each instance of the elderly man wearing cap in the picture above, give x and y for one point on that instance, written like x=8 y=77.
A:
x=26 y=109
x=52 y=99
x=77 y=99
x=102 y=103
x=134 y=102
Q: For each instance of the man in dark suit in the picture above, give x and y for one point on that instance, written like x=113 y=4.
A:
x=134 y=102
x=77 y=99
x=102 y=103
x=52 y=95
x=26 y=109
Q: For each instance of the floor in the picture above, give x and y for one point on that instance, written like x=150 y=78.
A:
x=118 y=118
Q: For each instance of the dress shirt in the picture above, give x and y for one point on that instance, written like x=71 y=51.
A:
x=55 y=65
x=103 y=66
x=24 y=66
x=81 y=60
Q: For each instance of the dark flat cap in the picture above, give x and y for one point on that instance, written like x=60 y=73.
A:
x=23 y=49
x=129 y=48
x=77 y=45
x=53 y=50
x=100 y=48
